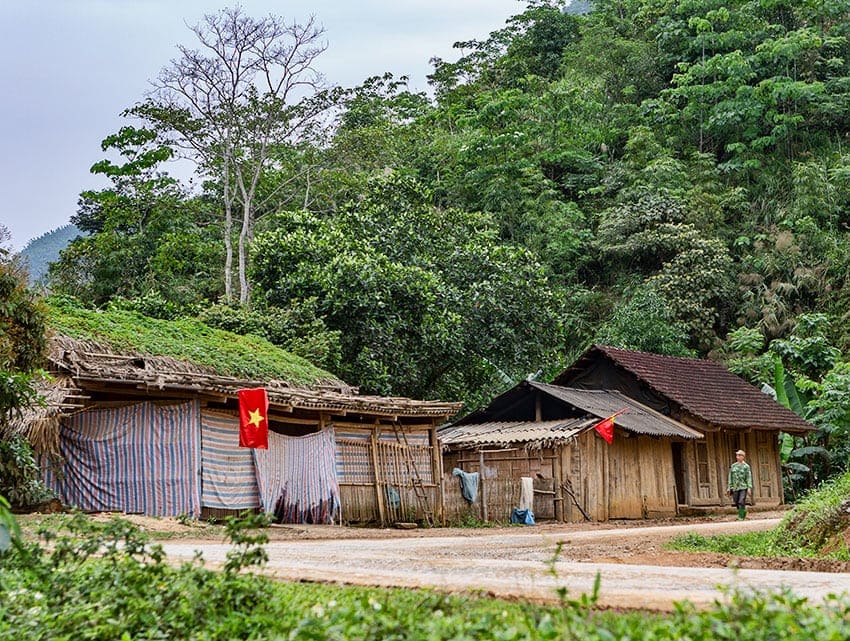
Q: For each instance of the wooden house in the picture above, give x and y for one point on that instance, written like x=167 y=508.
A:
x=131 y=432
x=730 y=413
x=670 y=454
x=546 y=433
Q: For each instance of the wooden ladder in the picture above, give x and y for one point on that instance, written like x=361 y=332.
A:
x=415 y=478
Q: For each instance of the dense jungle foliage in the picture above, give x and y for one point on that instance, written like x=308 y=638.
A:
x=657 y=175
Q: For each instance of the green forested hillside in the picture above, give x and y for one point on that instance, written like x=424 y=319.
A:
x=658 y=175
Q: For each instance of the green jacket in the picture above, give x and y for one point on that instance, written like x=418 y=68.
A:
x=740 y=477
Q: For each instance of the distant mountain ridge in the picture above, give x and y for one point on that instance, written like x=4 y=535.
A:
x=39 y=252
x=579 y=7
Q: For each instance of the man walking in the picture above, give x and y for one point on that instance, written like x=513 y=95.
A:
x=740 y=483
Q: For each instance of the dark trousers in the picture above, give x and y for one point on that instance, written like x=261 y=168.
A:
x=739 y=497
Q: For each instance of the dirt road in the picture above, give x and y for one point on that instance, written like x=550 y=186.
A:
x=520 y=563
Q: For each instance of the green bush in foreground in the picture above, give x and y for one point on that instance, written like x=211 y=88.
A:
x=108 y=582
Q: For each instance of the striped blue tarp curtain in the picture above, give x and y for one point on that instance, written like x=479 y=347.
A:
x=228 y=477
x=138 y=459
x=297 y=478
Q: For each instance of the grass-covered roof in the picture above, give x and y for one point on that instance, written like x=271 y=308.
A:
x=217 y=351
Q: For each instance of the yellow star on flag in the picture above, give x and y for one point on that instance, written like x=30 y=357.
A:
x=256 y=417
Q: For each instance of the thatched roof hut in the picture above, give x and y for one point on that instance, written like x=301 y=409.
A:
x=178 y=383
x=87 y=373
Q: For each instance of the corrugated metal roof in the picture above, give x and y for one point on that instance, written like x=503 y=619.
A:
x=603 y=403
x=702 y=388
x=503 y=433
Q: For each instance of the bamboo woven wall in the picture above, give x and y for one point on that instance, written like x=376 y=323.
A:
x=398 y=465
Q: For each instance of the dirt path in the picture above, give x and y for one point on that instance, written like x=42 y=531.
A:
x=519 y=563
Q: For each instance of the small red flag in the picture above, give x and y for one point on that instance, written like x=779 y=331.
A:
x=254 y=418
x=606 y=427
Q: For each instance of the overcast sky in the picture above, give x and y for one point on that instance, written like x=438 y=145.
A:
x=71 y=66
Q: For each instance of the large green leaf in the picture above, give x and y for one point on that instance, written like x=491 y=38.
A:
x=810 y=450
x=795 y=404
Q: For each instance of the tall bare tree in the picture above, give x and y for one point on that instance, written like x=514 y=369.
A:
x=250 y=85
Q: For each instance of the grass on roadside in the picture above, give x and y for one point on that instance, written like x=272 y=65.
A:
x=814 y=528
x=155 y=528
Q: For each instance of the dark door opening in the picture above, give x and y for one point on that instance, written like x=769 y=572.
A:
x=679 y=472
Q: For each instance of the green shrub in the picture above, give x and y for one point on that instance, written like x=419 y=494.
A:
x=298 y=328
x=20 y=476
x=817 y=522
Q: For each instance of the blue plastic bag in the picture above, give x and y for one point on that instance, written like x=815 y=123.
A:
x=525 y=517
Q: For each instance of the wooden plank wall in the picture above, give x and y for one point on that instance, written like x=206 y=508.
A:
x=624 y=479
x=762 y=448
x=657 y=478
x=584 y=465
x=630 y=479
x=708 y=482
x=763 y=454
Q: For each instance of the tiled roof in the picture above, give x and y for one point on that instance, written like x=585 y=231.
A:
x=702 y=388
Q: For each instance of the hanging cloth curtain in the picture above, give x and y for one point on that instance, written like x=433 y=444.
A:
x=297 y=478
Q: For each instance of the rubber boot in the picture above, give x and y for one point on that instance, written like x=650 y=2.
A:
x=742 y=513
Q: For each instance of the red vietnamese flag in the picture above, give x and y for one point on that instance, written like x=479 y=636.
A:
x=606 y=427
x=254 y=418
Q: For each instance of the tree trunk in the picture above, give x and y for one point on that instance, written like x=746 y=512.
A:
x=228 y=229
x=244 y=241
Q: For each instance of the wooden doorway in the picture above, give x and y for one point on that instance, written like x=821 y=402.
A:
x=679 y=473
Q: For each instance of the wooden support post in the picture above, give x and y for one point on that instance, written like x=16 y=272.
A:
x=482 y=491
x=559 y=490
x=538 y=411
x=606 y=481
x=379 y=477
x=437 y=475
